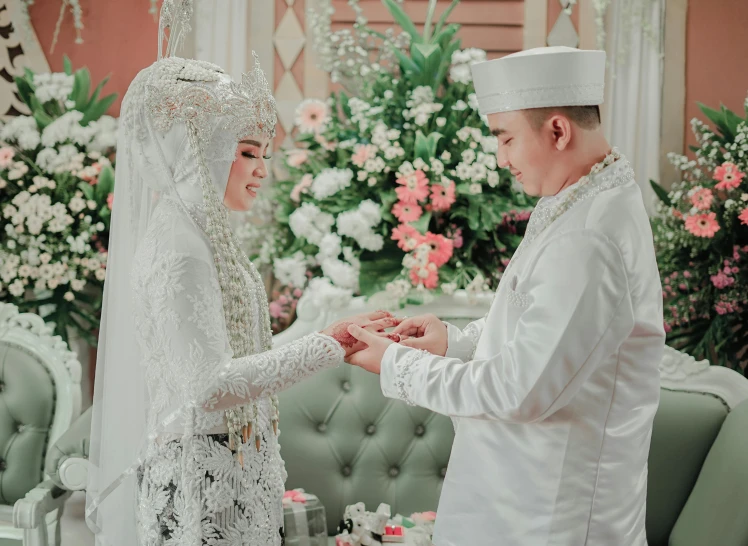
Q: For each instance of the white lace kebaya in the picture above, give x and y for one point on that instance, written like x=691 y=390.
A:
x=185 y=324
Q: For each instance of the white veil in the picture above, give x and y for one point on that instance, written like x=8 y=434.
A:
x=180 y=124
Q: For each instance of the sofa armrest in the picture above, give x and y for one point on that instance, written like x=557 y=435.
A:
x=74 y=443
x=715 y=512
x=73 y=473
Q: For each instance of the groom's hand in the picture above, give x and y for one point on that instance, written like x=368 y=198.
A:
x=369 y=358
x=425 y=332
x=375 y=323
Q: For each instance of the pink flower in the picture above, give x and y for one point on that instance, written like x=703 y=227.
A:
x=728 y=175
x=415 y=188
x=687 y=274
x=407 y=213
x=110 y=201
x=362 y=153
x=668 y=329
x=702 y=199
x=329 y=146
x=312 y=115
x=297 y=292
x=407 y=237
x=296 y=158
x=6 y=156
x=423 y=516
x=720 y=280
x=703 y=225
x=428 y=276
x=441 y=249
x=743 y=216
x=302 y=187
x=276 y=309
x=457 y=239
x=443 y=197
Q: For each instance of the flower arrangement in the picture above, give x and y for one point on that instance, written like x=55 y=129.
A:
x=57 y=183
x=396 y=191
x=701 y=238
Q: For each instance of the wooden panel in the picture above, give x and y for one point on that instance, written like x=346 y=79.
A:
x=493 y=25
x=508 y=12
x=488 y=37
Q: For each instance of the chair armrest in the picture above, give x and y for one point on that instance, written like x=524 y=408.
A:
x=31 y=511
x=715 y=512
x=74 y=443
x=73 y=473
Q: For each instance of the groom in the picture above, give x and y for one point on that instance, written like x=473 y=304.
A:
x=553 y=393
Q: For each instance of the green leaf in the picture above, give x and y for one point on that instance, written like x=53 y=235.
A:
x=97 y=91
x=445 y=16
x=29 y=75
x=406 y=63
x=661 y=193
x=717 y=117
x=446 y=63
x=80 y=96
x=732 y=120
x=87 y=190
x=67 y=64
x=99 y=109
x=24 y=91
x=473 y=215
x=429 y=57
x=422 y=224
x=402 y=19
x=105 y=186
x=429 y=20
x=379 y=268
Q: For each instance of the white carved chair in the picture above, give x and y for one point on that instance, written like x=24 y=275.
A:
x=40 y=397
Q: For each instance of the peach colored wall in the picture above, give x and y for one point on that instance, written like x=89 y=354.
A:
x=119 y=39
x=716 y=57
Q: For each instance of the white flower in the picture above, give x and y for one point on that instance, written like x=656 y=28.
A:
x=69 y=296
x=493 y=178
x=446 y=156
x=406 y=168
x=468 y=156
x=422 y=94
x=340 y=273
x=327 y=296
x=475 y=189
x=463 y=171
x=77 y=284
x=77 y=204
x=398 y=289
x=461 y=74
x=19 y=169
x=459 y=106
x=441 y=122
x=420 y=164
x=100 y=274
x=16 y=289
x=23 y=130
x=310 y=223
x=53 y=283
x=57 y=86
x=388 y=94
x=330 y=246
x=331 y=181
x=473 y=101
x=292 y=270
x=437 y=167
x=449 y=288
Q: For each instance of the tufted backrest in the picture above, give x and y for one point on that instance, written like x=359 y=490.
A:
x=345 y=442
x=26 y=412
x=39 y=398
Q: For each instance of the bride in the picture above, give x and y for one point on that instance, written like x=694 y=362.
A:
x=184 y=447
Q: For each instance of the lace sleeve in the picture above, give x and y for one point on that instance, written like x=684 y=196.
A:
x=266 y=373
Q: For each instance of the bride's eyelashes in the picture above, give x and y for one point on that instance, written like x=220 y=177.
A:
x=250 y=155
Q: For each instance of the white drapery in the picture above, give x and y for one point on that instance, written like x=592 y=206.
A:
x=633 y=103
x=221 y=35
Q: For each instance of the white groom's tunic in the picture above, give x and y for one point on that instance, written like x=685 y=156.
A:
x=554 y=392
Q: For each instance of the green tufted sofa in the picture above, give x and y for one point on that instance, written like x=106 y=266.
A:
x=39 y=398
x=342 y=440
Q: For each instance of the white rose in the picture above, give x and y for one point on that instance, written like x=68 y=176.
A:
x=100 y=274
x=69 y=296
x=16 y=288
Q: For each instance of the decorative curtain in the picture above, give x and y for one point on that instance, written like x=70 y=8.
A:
x=633 y=103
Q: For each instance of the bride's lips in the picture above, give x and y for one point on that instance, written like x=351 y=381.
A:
x=252 y=189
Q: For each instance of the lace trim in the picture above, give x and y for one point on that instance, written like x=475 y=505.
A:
x=473 y=333
x=404 y=374
x=541 y=97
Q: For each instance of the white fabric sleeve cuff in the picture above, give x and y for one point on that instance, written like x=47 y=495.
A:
x=396 y=375
x=459 y=345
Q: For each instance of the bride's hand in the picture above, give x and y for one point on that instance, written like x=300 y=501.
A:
x=375 y=323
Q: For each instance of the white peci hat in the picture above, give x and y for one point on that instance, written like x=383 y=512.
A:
x=539 y=78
